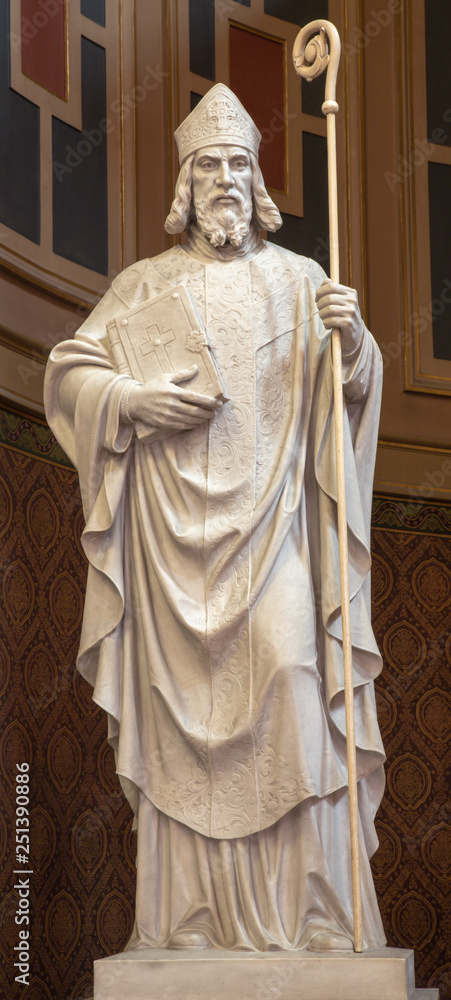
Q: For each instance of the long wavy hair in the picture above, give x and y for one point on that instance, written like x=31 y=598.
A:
x=266 y=214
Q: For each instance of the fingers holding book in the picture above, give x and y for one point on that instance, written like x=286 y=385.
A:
x=165 y=401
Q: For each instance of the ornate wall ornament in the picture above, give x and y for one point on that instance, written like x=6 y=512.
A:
x=18 y=592
x=64 y=760
x=432 y=585
x=41 y=677
x=434 y=715
x=436 y=851
x=15 y=745
x=43 y=520
x=388 y=857
x=44 y=839
x=66 y=600
x=409 y=781
x=404 y=647
x=63 y=925
x=89 y=843
x=415 y=920
x=5 y=668
x=114 y=922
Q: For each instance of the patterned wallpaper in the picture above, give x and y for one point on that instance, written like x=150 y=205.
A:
x=82 y=848
x=411 y=583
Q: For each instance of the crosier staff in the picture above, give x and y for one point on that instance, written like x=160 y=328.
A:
x=310 y=60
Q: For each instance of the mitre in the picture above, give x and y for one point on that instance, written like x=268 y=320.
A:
x=219 y=118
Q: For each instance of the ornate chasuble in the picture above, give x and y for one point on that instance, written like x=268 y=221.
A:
x=212 y=624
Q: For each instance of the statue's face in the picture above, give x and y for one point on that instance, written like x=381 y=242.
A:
x=220 y=172
x=222 y=193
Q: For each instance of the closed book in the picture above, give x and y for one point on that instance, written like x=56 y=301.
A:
x=164 y=335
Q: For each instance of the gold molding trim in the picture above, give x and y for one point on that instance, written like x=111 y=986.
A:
x=16 y=341
x=421 y=472
x=22 y=378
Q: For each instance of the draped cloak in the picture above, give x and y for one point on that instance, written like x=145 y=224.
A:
x=212 y=625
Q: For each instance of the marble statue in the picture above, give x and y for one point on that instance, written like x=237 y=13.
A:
x=212 y=625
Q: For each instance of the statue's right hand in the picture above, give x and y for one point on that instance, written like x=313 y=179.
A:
x=162 y=402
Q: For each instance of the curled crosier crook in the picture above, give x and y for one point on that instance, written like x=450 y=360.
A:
x=312 y=57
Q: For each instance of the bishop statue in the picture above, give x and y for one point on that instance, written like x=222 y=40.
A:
x=212 y=622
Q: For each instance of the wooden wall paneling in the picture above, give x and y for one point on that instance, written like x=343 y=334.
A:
x=31 y=323
x=424 y=372
x=414 y=425
x=126 y=126
x=44 y=297
x=155 y=95
x=351 y=165
x=38 y=262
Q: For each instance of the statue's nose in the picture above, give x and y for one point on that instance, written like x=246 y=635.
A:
x=224 y=175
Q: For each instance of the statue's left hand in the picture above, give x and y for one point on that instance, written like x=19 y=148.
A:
x=339 y=309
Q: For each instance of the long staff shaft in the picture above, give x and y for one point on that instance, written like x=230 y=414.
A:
x=343 y=549
x=330 y=108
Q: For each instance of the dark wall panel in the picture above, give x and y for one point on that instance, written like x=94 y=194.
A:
x=194 y=99
x=80 y=221
x=94 y=9
x=202 y=38
x=438 y=67
x=301 y=12
x=298 y=11
x=309 y=235
x=440 y=233
x=19 y=145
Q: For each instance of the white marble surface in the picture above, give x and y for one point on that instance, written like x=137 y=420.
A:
x=161 y=974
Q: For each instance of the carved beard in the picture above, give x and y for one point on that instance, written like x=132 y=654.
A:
x=224 y=223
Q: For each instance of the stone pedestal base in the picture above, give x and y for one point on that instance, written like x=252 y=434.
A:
x=161 y=974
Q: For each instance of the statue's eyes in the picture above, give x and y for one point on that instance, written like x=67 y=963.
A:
x=235 y=164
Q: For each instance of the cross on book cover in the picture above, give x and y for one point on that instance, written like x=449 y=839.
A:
x=163 y=335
